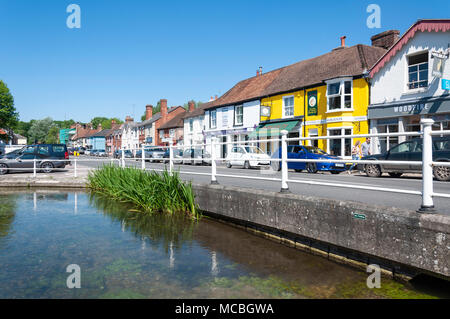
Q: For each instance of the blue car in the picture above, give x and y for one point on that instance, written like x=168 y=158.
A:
x=308 y=152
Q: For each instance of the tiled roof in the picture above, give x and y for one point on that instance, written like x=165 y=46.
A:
x=154 y=118
x=347 y=61
x=198 y=111
x=177 y=121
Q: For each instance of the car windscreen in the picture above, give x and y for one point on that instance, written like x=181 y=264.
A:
x=315 y=150
x=442 y=145
x=254 y=150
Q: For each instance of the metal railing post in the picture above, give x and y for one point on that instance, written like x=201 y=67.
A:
x=75 y=168
x=213 y=164
x=284 y=164
x=34 y=167
x=143 y=158
x=123 y=158
x=427 y=168
x=170 y=157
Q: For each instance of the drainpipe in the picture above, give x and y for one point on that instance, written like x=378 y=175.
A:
x=304 y=113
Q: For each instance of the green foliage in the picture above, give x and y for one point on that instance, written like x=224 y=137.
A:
x=148 y=191
x=105 y=122
x=8 y=116
x=39 y=130
x=52 y=135
x=196 y=104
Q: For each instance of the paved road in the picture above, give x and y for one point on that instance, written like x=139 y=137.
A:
x=379 y=198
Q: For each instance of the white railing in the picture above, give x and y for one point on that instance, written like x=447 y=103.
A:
x=427 y=163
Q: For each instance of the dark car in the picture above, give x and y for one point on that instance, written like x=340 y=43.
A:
x=308 y=152
x=410 y=151
x=177 y=156
x=196 y=156
x=12 y=154
x=47 y=156
x=126 y=154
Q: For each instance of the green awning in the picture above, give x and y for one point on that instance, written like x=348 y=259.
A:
x=273 y=129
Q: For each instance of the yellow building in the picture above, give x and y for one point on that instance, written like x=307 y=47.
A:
x=324 y=96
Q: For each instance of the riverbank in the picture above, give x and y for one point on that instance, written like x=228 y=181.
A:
x=404 y=243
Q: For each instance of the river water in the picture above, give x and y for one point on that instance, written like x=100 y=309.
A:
x=125 y=254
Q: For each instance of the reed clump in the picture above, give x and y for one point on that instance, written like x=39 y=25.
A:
x=150 y=192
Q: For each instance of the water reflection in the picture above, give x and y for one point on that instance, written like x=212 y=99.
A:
x=8 y=206
x=170 y=231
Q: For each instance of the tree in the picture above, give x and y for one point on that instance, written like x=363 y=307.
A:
x=39 y=130
x=196 y=105
x=52 y=135
x=9 y=118
x=98 y=120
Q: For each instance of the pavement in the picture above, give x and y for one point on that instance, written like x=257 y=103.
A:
x=257 y=179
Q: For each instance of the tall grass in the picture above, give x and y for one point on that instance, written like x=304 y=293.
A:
x=150 y=192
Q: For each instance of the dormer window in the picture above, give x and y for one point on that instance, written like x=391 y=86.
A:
x=339 y=95
x=418 y=71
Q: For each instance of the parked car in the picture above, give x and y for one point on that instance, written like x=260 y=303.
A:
x=81 y=150
x=247 y=156
x=410 y=151
x=87 y=152
x=177 y=156
x=196 y=156
x=94 y=153
x=308 y=152
x=101 y=153
x=48 y=157
x=154 y=154
x=13 y=154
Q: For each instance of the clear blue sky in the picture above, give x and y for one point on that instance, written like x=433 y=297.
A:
x=136 y=52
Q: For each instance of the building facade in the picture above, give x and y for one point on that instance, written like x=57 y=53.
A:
x=408 y=83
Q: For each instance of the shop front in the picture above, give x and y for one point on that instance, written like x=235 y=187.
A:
x=405 y=117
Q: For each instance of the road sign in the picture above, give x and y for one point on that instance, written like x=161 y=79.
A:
x=445 y=84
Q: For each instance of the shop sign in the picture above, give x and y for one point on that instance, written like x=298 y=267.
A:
x=312 y=103
x=445 y=84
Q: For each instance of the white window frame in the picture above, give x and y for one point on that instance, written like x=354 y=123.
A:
x=341 y=93
x=342 y=128
x=211 y=119
x=172 y=132
x=418 y=89
x=235 y=115
x=284 y=106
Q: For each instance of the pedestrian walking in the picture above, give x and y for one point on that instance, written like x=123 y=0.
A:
x=356 y=155
x=365 y=148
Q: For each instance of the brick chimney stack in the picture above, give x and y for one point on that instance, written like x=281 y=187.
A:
x=113 y=122
x=191 y=106
x=343 y=41
x=385 y=39
x=129 y=119
x=164 y=110
x=148 y=112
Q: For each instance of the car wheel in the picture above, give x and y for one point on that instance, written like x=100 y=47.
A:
x=311 y=168
x=3 y=169
x=275 y=166
x=442 y=173
x=246 y=165
x=373 y=170
x=396 y=175
x=298 y=170
x=228 y=165
x=47 y=167
x=335 y=172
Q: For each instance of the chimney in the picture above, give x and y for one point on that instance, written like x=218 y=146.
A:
x=113 y=122
x=129 y=119
x=343 y=41
x=257 y=72
x=148 y=112
x=385 y=39
x=260 y=70
x=215 y=98
x=191 y=106
x=211 y=99
x=163 y=110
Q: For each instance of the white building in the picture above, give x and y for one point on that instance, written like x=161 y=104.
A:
x=408 y=83
x=194 y=125
x=130 y=134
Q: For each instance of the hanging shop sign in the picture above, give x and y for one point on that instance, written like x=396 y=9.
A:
x=312 y=103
